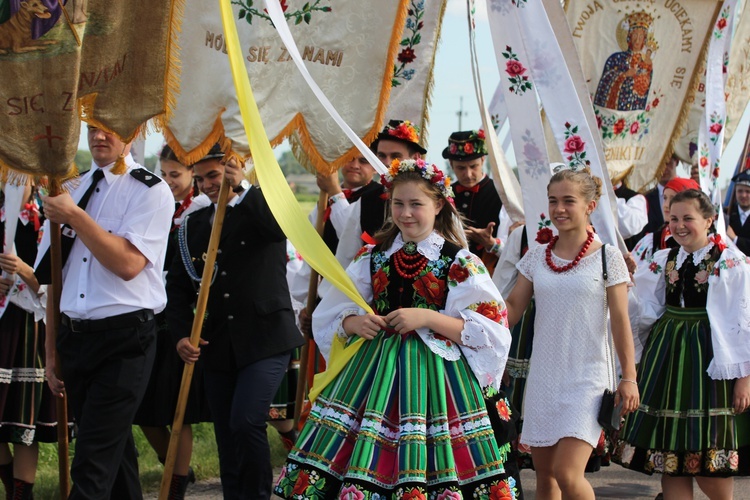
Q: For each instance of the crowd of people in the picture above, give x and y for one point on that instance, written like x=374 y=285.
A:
x=481 y=354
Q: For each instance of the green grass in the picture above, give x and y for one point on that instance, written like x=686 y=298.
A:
x=205 y=461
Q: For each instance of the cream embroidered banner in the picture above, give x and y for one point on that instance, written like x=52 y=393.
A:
x=349 y=49
x=118 y=78
x=640 y=60
x=737 y=91
x=412 y=70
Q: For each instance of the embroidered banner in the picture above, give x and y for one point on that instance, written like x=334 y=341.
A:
x=116 y=77
x=737 y=91
x=412 y=70
x=348 y=48
x=640 y=60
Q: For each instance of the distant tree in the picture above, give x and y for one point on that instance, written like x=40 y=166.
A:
x=83 y=160
x=289 y=164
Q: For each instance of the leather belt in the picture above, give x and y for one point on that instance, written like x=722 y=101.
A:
x=126 y=320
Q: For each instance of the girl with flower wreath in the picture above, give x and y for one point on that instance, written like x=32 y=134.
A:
x=695 y=371
x=406 y=416
x=571 y=359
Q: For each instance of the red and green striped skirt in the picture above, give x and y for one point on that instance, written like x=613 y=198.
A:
x=398 y=422
x=685 y=425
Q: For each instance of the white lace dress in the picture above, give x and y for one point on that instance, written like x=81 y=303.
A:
x=568 y=370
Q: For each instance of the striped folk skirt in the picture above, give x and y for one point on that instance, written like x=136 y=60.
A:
x=398 y=422
x=685 y=425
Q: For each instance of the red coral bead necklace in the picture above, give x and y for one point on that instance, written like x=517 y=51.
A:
x=408 y=262
x=574 y=262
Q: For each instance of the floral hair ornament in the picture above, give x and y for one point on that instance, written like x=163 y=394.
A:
x=427 y=171
x=466 y=145
x=401 y=130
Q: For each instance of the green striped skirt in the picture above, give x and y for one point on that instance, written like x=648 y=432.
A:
x=398 y=422
x=685 y=425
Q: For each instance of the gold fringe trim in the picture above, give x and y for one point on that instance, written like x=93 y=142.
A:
x=173 y=73
x=190 y=157
x=427 y=98
x=685 y=109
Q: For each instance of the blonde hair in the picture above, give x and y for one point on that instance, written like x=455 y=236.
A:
x=448 y=222
x=590 y=185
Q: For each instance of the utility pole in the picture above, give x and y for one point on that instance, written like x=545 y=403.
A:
x=460 y=113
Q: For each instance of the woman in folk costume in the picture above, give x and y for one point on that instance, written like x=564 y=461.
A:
x=156 y=412
x=695 y=370
x=569 y=368
x=27 y=406
x=406 y=417
x=651 y=243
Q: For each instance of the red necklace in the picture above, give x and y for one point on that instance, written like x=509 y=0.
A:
x=408 y=262
x=574 y=263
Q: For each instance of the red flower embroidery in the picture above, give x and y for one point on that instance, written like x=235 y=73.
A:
x=303 y=481
x=715 y=173
x=598 y=121
x=407 y=55
x=454 y=148
x=722 y=23
x=458 y=273
x=490 y=311
x=715 y=128
x=500 y=491
x=655 y=102
x=361 y=252
x=619 y=126
x=653 y=267
x=703 y=161
x=468 y=148
x=431 y=288
x=544 y=235
x=514 y=68
x=503 y=410
x=634 y=127
x=574 y=144
x=379 y=283
x=414 y=494
x=480 y=133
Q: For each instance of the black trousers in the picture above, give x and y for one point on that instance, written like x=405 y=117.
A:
x=239 y=402
x=105 y=374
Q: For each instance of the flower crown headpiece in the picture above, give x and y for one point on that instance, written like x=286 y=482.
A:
x=427 y=171
x=405 y=130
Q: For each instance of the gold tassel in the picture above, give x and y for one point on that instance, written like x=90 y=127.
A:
x=119 y=168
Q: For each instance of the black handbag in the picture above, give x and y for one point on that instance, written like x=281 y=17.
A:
x=609 y=414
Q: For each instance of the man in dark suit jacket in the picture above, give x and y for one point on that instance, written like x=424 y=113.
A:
x=655 y=198
x=249 y=329
x=739 y=225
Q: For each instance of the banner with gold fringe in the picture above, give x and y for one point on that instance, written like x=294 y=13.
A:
x=349 y=49
x=105 y=62
x=279 y=196
x=640 y=60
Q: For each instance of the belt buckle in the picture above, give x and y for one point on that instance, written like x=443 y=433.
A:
x=75 y=325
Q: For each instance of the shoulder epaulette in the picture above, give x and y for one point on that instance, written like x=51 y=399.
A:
x=148 y=178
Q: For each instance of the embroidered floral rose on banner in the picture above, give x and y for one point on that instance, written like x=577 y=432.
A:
x=519 y=82
x=544 y=234
x=574 y=147
x=247 y=11
x=407 y=55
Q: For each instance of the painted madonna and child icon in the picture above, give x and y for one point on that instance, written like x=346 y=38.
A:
x=626 y=77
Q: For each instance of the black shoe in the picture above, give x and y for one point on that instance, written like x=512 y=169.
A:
x=191 y=475
x=178 y=487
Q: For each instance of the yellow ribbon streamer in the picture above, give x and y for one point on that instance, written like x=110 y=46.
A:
x=284 y=205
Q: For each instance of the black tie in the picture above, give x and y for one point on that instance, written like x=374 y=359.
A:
x=43 y=271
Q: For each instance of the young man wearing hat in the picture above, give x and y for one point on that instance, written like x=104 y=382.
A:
x=739 y=227
x=476 y=196
x=249 y=330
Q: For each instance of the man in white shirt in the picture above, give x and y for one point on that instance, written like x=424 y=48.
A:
x=115 y=230
x=738 y=229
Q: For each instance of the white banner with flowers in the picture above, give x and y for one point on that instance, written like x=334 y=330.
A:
x=639 y=60
x=349 y=50
x=711 y=129
x=736 y=89
x=412 y=71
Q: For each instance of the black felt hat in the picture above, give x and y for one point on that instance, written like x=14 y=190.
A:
x=466 y=145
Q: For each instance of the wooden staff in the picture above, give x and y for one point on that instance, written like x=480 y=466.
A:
x=195 y=336
x=312 y=296
x=53 y=320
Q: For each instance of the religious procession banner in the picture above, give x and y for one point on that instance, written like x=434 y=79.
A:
x=640 y=60
x=412 y=77
x=349 y=49
x=737 y=91
x=62 y=61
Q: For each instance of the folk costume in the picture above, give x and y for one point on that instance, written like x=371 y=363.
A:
x=406 y=414
x=695 y=307
x=568 y=370
x=27 y=406
x=738 y=218
x=249 y=327
x=632 y=214
x=479 y=204
x=108 y=327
